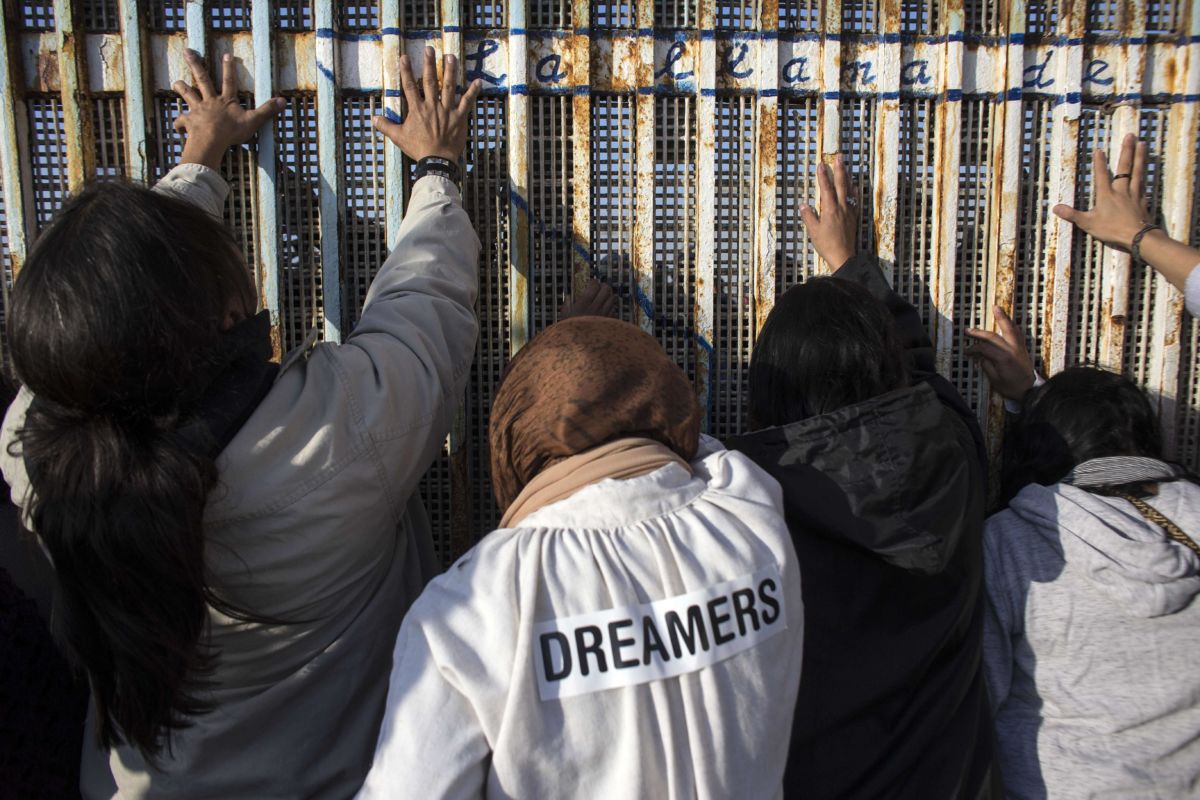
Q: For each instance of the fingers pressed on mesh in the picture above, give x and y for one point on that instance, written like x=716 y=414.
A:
x=228 y=78
x=429 y=76
x=449 y=80
x=200 y=74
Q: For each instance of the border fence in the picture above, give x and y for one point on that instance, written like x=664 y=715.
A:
x=664 y=146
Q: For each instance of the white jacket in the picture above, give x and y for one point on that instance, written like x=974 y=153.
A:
x=690 y=697
x=316 y=517
x=1091 y=645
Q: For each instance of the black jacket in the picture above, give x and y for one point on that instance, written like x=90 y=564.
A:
x=885 y=501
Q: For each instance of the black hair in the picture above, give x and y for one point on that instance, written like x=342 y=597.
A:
x=115 y=329
x=827 y=343
x=1080 y=414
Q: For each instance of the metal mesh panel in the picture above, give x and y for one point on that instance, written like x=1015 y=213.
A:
x=1033 y=263
x=293 y=15
x=918 y=18
x=229 y=15
x=614 y=173
x=1164 y=19
x=101 y=16
x=858 y=149
x=484 y=13
x=737 y=15
x=675 y=227
x=486 y=200
x=364 y=231
x=168 y=15
x=674 y=13
x=422 y=14
x=1187 y=410
x=802 y=16
x=620 y=14
x=37 y=16
x=358 y=16
x=550 y=193
x=48 y=156
x=1152 y=128
x=1103 y=16
x=974 y=226
x=1041 y=18
x=167 y=143
x=733 y=317
x=435 y=489
x=108 y=125
x=797 y=157
x=241 y=208
x=298 y=180
x=860 y=16
x=549 y=13
x=1087 y=257
x=915 y=249
x=983 y=17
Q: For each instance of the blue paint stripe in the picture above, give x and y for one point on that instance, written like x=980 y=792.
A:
x=582 y=90
x=516 y=31
x=393 y=93
x=954 y=95
x=539 y=34
x=519 y=88
x=1014 y=93
x=583 y=31
x=704 y=92
x=832 y=95
x=391 y=31
x=452 y=28
x=326 y=71
x=768 y=93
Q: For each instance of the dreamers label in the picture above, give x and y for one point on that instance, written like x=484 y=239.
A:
x=638 y=644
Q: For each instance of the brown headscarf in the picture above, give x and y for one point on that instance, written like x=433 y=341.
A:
x=582 y=383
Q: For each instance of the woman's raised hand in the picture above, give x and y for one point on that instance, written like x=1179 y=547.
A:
x=216 y=121
x=833 y=231
x=435 y=125
x=1120 y=209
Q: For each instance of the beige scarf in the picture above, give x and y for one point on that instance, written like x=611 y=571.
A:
x=619 y=460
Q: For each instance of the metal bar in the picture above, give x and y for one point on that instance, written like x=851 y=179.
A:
x=1005 y=198
x=830 y=118
x=10 y=158
x=393 y=158
x=1183 y=129
x=706 y=179
x=76 y=104
x=643 y=219
x=327 y=159
x=197 y=27
x=1130 y=68
x=581 y=138
x=887 y=137
x=947 y=135
x=1064 y=161
x=518 y=172
x=137 y=156
x=268 y=224
x=766 y=163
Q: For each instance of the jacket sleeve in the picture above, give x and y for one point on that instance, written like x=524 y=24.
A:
x=196 y=184
x=1000 y=624
x=405 y=365
x=918 y=348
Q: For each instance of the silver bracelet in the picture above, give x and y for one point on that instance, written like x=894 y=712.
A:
x=1136 y=248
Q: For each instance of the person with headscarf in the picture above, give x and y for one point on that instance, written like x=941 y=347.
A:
x=635 y=626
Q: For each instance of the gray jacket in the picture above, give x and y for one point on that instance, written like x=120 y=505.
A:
x=316 y=518
x=1091 y=644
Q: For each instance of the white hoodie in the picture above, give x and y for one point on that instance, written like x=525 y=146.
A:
x=476 y=703
x=1092 y=645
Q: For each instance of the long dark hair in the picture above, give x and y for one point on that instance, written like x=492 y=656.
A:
x=115 y=328
x=827 y=343
x=1080 y=414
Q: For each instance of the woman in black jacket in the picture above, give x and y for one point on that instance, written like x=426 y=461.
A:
x=884 y=480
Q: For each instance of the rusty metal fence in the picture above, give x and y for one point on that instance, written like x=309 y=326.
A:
x=664 y=146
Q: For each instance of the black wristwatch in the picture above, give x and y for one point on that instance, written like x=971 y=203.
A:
x=436 y=165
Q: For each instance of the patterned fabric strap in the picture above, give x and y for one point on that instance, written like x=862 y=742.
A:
x=1158 y=518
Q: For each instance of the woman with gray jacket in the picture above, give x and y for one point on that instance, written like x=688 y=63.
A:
x=235 y=542
x=1091 y=572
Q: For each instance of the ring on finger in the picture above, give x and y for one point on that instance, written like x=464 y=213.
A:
x=1122 y=175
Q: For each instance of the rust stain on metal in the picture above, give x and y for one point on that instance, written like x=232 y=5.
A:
x=47 y=71
x=276 y=343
